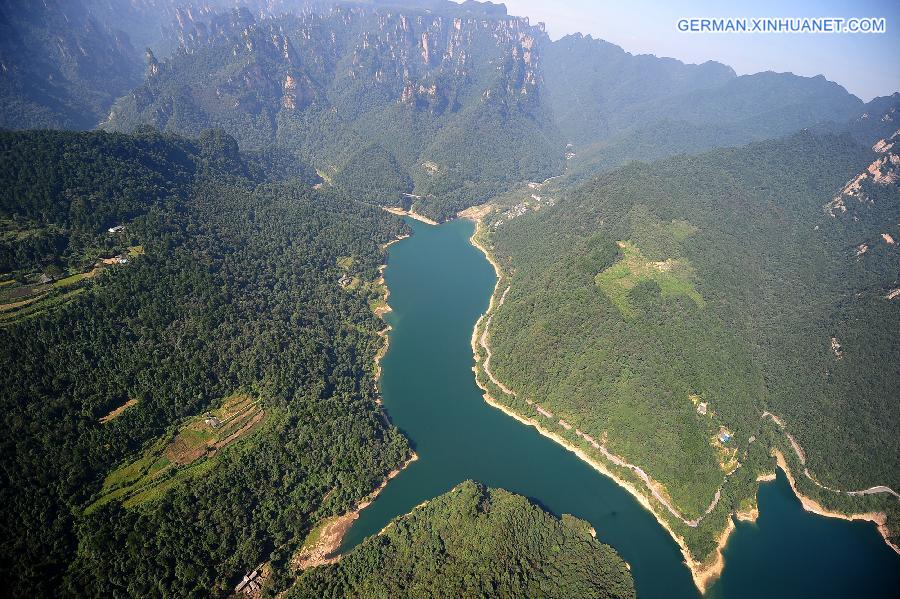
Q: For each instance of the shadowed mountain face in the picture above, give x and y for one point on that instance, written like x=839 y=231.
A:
x=60 y=67
x=460 y=100
x=453 y=99
x=464 y=99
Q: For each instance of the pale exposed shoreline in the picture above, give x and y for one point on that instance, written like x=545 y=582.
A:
x=813 y=506
x=385 y=246
x=801 y=455
x=325 y=551
x=381 y=311
x=409 y=213
x=336 y=529
x=703 y=573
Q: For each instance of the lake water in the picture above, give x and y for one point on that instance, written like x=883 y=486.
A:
x=439 y=286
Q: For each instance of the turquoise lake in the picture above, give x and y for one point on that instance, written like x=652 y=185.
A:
x=440 y=284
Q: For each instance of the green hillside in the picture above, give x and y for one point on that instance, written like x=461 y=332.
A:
x=718 y=279
x=235 y=294
x=462 y=103
x=61 y=67
x=475 y=542
x=453 y=100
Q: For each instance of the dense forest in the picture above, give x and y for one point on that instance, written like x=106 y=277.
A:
x=461 y=101
x=719 y=279
x=236 y=290
x=187 y=291
x=475 y=542
x=449 y=100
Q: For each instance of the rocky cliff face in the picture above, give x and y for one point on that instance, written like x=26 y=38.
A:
x=883 y=172
x=59 y=66
x=420 y=59
x=455 y=88
x=465 y=97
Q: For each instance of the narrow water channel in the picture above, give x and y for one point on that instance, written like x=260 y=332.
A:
x=440 y=284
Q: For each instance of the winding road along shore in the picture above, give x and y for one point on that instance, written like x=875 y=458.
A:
x=702 y=572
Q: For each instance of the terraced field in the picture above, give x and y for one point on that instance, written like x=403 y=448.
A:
x=19 y=301
x=186 y=453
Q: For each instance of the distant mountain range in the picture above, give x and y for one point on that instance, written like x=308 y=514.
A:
x=461 y=100
x=698 y=270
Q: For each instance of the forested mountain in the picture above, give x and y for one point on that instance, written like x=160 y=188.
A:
x=188 y=293
x=475 y=542
x=615 y=106
x=59 y=66
x=228 y=305
x=589 y=81
x=464 y=99
x=658 y=306
x=878 y=119
x=453 y=99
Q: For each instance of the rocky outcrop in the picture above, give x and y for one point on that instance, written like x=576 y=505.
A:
x=884 y=171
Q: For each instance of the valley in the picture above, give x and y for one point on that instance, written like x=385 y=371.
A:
x=431 y=298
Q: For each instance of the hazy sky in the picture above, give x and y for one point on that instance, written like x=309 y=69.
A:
x=867 y=65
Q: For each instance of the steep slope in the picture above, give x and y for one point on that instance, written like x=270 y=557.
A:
x=454 y=99
x=758 y=106
x=660 y=309
x=615 y=107
x=465 y=99
x=60 y=67
x=475 y=542
x=191 y=392
x=876 y=120
x=589 y=81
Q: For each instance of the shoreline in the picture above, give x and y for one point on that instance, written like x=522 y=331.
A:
x=385 y=246
x=335 y=528
x=380 y=311
x=702 y=574
x=410 y=213
x=801 y=455
x=814 y=507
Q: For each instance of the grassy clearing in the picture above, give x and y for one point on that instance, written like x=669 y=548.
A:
x=315 y=535
x=674 y=277
x=76 y=278
x=377 y=292
x=156 y=491
x=184 y=454
x=346 y=262
x=24 y=301
x=681 y=229
x=39 y=297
